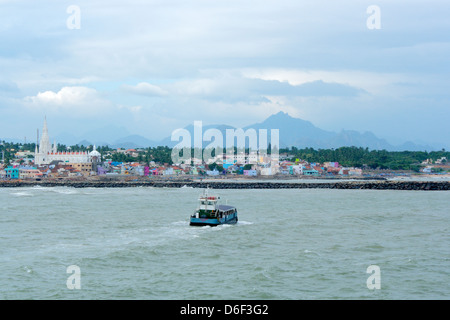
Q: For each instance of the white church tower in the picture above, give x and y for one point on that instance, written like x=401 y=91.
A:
x=46 y=153
x=42 y=154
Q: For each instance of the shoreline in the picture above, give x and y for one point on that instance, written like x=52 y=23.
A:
x=427 y=185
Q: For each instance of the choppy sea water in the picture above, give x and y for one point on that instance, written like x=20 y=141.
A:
x=136 y=243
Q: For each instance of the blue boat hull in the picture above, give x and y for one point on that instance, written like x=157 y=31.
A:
x=231 y=219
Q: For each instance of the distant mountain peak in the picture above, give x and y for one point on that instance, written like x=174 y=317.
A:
x=281 y=114
x=282 y=120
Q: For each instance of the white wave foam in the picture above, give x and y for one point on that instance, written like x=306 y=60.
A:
x=313 y=252
x=22 y=194
x=65 y=191
x=60 y=190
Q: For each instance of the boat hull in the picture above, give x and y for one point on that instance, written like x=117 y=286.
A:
x=231 y=219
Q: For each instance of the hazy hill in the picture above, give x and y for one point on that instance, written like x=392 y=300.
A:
x=292 y=132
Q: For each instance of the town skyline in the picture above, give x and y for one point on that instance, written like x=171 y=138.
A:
x=250 y=158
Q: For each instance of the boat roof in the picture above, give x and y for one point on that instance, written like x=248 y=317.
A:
x=224 y=207
x=209 y=197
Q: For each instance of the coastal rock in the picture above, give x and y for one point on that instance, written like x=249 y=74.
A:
x=374 y=185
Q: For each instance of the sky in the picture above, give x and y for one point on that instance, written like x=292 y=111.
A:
x=150 y=67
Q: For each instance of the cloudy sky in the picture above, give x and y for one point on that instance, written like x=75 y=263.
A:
x=154 y=66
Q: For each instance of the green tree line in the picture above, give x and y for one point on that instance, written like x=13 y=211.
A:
x=363 y=157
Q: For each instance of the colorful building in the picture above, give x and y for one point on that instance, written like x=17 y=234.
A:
x=310 y=172
x=12 y=173
x=250 y=173
x=30 y=173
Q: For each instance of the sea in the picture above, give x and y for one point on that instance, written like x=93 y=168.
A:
x=62 y=243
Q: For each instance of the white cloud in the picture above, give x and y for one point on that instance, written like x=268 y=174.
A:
x=144 y=88
x=73 y=101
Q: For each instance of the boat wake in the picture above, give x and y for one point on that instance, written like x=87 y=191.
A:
x=244 y=222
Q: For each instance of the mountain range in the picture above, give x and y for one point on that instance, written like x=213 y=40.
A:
x=292 y=132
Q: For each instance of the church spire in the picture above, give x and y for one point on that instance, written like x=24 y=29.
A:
x=45 y=146
x=45 y=129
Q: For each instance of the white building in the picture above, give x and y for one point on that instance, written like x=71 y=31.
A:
x=427 y=169
x=297 y=169
x=46 y=153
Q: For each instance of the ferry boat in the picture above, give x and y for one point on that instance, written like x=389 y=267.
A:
x=210 y=213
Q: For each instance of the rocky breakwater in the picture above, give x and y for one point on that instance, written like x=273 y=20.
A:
x=376 y=185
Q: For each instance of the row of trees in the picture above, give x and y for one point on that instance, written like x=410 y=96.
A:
x=363 y=157
x=157 y=154
x=8 y=149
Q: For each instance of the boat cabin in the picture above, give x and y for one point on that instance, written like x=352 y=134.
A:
x=209 y=208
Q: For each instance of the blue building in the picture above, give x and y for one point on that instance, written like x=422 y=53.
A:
x=310 y=172
x=12 y=173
